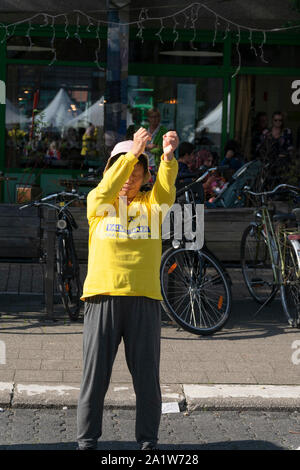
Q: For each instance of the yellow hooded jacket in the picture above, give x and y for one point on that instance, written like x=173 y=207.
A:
x=123 y=257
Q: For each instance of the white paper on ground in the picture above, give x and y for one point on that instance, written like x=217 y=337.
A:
x=171 y=407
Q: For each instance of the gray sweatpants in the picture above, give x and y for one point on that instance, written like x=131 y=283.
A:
x=108 y=319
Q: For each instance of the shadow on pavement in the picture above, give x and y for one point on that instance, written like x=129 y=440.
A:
x=19 y=314
x=242 y=324
x=124 y=445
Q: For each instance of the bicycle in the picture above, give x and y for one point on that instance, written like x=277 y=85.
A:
x=196 y=288
x=67 y=265
x=270 y=255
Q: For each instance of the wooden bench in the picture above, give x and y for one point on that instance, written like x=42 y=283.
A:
x=26 y=237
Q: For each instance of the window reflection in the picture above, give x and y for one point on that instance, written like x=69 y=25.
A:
x=191 y=106
x=54 y=117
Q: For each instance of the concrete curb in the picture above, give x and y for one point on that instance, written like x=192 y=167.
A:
x=50 y=395
x=242 y=397
x=189 y=397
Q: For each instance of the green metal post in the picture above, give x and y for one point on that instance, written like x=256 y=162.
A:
x=232 y=108
x=2 y=109
x=226 y=90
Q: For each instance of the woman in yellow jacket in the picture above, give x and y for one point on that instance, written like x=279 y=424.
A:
x=122 y=288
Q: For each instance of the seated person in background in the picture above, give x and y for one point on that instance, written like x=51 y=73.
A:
x=203 y=160
x=53 y=152
x=232 y=155
x=276 y=151
x=185 y=158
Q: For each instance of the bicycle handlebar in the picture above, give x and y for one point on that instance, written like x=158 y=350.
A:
x=63 y=194
x=201 y=178
x=246 y=189
x=44 y=200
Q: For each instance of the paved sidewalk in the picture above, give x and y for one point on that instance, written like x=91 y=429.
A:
x=44 y=358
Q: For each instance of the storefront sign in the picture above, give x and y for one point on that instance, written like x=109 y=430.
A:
x=296 y=94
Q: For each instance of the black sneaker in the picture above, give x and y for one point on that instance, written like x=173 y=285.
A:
x=86 y=448
x=148 y=446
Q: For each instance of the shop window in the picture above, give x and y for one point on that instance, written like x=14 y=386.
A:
x=54 y=116
x=191 y=106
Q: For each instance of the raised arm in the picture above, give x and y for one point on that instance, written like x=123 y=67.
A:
x=164 y=191
x=114 y=178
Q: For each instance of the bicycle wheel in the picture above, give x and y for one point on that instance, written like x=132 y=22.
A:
x=68 y=276
x=290 y=286
x=195 y=290
x=256 y=265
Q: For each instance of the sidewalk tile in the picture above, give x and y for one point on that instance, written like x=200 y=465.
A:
x=16 y=364
x=48 y=364
x=38 y=376
x=42 y=354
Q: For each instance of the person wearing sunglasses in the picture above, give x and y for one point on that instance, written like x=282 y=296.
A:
x=277 y=151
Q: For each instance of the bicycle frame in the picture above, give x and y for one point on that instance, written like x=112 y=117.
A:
x=266 y=227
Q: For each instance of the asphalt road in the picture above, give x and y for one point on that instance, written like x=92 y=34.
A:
x=55 y=429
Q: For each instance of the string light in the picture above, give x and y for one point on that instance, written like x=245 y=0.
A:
x=216 y=29
x=251 y=43
x=77 y=35
x=262 y=50
x=66 y=27
x=238 y=51
x=226 y=32
x=194 y=17
x=9 y=34
x=158 y=34
x=175 y=30
x=52 y=42
x=89 y=25
x=186 y=19
x=190 y=12
x=5 y=35
x=46 y=21
x=140 y=25
x=29 y=37
x=97 y=51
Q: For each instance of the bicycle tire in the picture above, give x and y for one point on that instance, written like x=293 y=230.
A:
x=290 y=287
x=206 y=275
x=68 y=277
x=261 y=284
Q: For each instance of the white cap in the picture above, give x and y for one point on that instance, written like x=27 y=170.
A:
x=123 y=148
